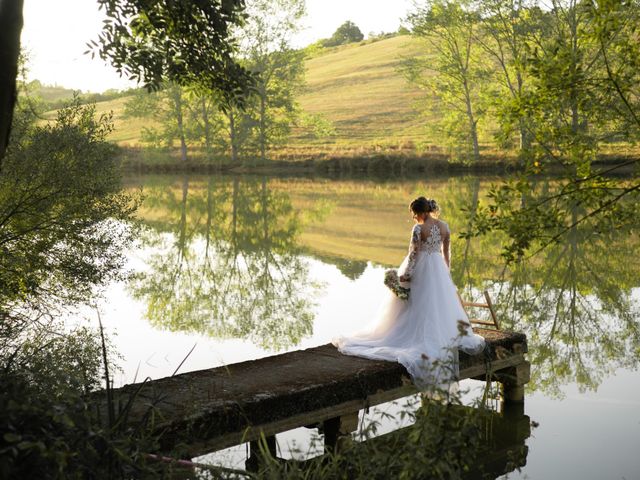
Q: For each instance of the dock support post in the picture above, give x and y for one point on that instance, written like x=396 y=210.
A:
x=256 y=454
x=337 y=431
x=513 y=380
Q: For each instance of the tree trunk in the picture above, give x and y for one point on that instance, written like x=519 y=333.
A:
x=207 y=125
x=575 y=115
x=176 y=95
x=10 y=28
x=263 y=135
x=573 y=95
x=473 y=131
x=183 y=143
x=233 y=136
x=525 y=142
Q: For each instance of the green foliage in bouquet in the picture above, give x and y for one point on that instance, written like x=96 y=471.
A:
x=392 y=281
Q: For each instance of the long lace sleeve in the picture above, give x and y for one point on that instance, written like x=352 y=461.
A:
x=414 y=249
x=446 y=244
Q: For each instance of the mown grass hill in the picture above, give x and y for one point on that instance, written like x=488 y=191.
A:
x=357 y=87
x=360 y=89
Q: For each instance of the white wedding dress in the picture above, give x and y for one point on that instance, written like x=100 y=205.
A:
x=424 y=332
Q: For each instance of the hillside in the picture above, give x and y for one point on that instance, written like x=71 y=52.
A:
x=357 y=87
x=52 y=93
x=360 y=90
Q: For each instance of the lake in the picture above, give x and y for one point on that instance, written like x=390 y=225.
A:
x=227 y=269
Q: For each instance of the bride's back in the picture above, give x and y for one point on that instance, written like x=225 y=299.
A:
x=434 y=234
x=427 y=229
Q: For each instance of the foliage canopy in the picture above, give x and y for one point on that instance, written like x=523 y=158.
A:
x=348 y=32
x=61 y=208
x=187 y=42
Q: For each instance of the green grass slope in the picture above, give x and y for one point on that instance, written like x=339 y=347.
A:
x=127 y=130
x=360 y=90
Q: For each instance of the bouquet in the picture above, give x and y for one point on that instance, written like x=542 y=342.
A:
x=392 y=281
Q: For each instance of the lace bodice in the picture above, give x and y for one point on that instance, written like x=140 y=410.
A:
x=436 y=241
x=433 y=243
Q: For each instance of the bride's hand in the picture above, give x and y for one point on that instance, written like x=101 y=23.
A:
x=405 y=278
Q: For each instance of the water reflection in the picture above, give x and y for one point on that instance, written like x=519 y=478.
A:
x=226 y=263
x=229 y=258
x=575 y=301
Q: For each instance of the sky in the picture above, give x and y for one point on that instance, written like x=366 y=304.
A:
x=55 y=35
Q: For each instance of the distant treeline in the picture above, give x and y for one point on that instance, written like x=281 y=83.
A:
x=54 y=97
x=349 y=32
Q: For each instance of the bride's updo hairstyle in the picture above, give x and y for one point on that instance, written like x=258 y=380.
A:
x=424 y=205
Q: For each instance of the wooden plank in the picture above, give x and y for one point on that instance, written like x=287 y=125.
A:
x=472 y=304
x=491 y=310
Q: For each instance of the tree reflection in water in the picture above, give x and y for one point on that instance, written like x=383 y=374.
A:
x=575 y=303
x=225 y=263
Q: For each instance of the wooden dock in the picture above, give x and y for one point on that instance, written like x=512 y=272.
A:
x=208 y=410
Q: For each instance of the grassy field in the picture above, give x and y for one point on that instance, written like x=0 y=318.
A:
x=360 y=89
x=357 y=87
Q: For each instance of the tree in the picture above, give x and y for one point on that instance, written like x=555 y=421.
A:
x=183 y=41
x=253 y=122
x=168 y=107
x=614 y=25
x=582 y=81
x=205 y=120
x=505 y=33
x=62 y=213
x=278 y=68
x=64 y=223
x=348 y=32
x=10 y=29
x=240 y=124
x=449 y=28
x=186 y=42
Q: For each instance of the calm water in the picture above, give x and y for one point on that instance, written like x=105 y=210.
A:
x=233 y=269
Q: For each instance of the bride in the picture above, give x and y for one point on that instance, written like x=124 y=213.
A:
x=425 y=331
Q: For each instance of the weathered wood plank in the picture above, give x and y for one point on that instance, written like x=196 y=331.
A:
x=223 y=406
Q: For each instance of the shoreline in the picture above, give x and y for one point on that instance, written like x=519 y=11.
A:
x=143 y=161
